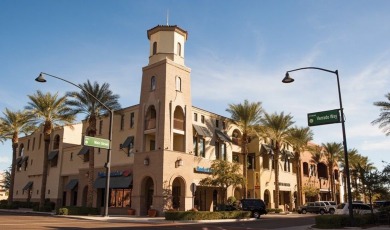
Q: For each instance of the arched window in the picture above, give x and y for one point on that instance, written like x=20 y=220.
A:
x=154 y=48
x=150 y=119
x=56 y=144
x=236 y=137
x=178 y=118
x=153 y=83
x=305 y=169
x=178 y=83
x=179 y=49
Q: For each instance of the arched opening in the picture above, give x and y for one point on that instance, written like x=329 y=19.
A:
x=322 y=170
x=305 y=166
x=56 y=143
x=150 y=119
x=85 y=195
x=178 y=194
x=179 y=129
x=147 y=191
x=215 y=200
x=21 y=150
x=178 y=83
x=154 y=48
x=267 y=198
x=179 y=49
x=153 y=83
x=236 y=137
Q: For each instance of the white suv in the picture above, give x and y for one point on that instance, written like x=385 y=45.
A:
x=330 y=206
x=342 y=209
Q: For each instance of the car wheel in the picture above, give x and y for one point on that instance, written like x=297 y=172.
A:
x=331 y=211
x=256 y=214
x=322 y=212
x=303 y=211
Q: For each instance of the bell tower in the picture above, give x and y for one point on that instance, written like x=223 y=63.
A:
x=164 y=133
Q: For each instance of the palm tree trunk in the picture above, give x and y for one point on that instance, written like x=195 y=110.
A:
x=13 y=171
x=276 y=162
x=44 y=171
x=299 y=184
x=91 y=131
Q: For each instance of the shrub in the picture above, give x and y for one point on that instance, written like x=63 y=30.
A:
x=341 y=221
x=205 y=215
x=73 y=210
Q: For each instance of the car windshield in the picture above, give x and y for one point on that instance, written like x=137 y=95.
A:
x=340 y=206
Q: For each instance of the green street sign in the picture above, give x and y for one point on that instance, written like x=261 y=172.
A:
x=324 y=117
x=96 y=142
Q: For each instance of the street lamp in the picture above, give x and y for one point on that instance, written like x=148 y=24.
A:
x=41 y=79
x=288 y=79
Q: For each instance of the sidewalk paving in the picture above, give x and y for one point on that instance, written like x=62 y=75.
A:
x=146 y=219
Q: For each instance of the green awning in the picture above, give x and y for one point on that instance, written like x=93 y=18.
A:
x=202 y=131
x=71 y=184
x=267 y=149
x=128 y=142
x=222 y=136
x=115 y=182
x=52 y=155
x=28 y=186
x=84 y=150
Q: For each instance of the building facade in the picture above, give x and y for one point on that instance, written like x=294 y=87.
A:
x=161 y=148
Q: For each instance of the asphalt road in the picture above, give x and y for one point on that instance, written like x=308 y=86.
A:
x=33 y=221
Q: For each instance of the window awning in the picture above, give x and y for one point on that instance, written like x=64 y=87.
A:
x=202 y=131
x=129 y=140
x=52 y=155
x=222 y=136
x=71 y=184
x=288 y=154
x=84 y=150
x=28 y=186
x=267 y=149
x=18 y=161
x=115 y=182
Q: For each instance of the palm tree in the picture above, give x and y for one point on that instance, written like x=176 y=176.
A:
x=83 y=102
x=275 y=127
x=11 y=125
x=384 y=116
x=332 y=151
x=316 y=158
x=299 y=138
x=50 y=111
x=246 y=116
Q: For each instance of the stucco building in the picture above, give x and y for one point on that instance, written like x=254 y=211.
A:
x=161 y=148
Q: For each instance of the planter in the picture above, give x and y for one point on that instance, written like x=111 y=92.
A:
x=131 y=211
x=152 y=212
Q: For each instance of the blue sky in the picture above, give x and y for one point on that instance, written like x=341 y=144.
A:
x=237 y=50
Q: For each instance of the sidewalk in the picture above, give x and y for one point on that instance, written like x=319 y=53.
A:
x=146 y=219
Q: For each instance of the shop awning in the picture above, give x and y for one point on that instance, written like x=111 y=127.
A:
x=222 y=136
x=129 y=140
x=71 y=184
x=28 y=186
x=25 y=158
x=84 y=150
x=52 y=155
x=202 y=131
x=18 y=161
x=115 y=182
x=288 y=154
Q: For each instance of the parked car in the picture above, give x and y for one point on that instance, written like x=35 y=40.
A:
x=330 y=206
x=256 y=206
x=359 y=208
x=381 y=203
x=303 y=208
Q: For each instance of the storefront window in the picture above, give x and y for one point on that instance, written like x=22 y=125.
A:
x=120 y=198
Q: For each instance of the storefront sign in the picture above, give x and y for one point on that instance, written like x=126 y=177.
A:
x=114 y=173
x=202 y=170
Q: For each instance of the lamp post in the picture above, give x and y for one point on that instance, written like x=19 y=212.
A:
x=41 y=79
x=288 y=79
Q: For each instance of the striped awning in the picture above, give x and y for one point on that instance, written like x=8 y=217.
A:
x=28 y=186
x=115 y=182
x=71 y=184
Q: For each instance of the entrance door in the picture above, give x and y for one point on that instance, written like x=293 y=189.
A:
x=149 y=189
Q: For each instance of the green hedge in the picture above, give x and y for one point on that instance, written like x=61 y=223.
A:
x=205 y=215
x=341 y=221
x=73 y=210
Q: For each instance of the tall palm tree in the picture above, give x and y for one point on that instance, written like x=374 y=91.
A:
x=332 y=151
x=82 y=102
x=363 y=168
x=246 y=116
x=384 y=117
x=299 y=138
x=316 y=158
x=275 y=127
x=352 y=156
x=11 y=125
x=50 y=111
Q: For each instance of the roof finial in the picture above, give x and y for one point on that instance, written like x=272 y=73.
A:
x=168 y=17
